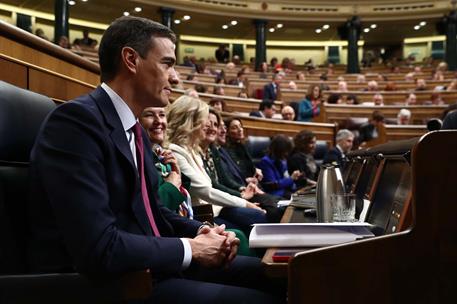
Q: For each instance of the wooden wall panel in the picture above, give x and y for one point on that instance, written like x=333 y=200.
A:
x=54 y=86
x=41 y=59
x=13 y=73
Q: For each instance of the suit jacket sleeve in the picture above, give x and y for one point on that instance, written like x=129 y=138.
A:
x=331 y=156
x=272 y=177
x=71 y=156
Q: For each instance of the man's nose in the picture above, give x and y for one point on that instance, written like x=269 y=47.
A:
x=173 y=77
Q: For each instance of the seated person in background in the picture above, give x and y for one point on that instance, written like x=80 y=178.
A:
x=438 y=76
x=403 y=117
x=187 y=124
x=390 y=86
x=242 y=93
x=236 y=59
x=288 y=113
x=292 y=86
x=310 y=106
x=301 y=158
x=263 y=70
x=361 y=78
x=200 y=88
x=218 y=104
x=267 y=109
x=344 y=142
x=335 y=99
x=369 y=130
x=342 y=86
x=378 y=99
x=239 y=153
x=411 y=99
x=174 y=186
x=435 y=99
x=191 y=93
x=40 y=33
x=86 y=40
x=300 y=76
x=271 y=91
x=64 y=42
x=372 y=86
x=89 y=210
x=421 y=85
x=276 y=179
x=352 y=99
x=218 y=90
x=452 y=86
x=239 y=80
x=215 y=168
x=409 y=77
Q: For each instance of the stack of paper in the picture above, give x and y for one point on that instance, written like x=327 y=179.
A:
x=306 y=234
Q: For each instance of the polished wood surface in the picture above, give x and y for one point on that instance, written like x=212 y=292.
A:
x=339 y=113
x=390 y=97
x=29 y=48
x=41 y=80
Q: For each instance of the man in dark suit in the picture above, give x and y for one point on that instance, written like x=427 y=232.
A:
x=344 y=141
x=95 y=208
x=267 y=109
x=271 y=90
x=369 y=131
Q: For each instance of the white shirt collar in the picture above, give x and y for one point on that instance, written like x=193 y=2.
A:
x=125 y=114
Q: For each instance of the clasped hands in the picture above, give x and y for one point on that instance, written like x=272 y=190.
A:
x=214 y=247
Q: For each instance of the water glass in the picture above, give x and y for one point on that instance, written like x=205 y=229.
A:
x=343 y=206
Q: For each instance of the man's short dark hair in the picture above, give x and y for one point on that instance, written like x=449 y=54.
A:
x=134 y=32
x=266 y=104
x=377 y=116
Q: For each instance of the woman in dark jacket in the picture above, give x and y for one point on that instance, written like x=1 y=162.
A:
x=302 y=158
x=239 y=153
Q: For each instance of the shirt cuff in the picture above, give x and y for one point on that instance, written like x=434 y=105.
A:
x=187 y=254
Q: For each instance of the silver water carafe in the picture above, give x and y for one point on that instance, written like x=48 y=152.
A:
x=330 y=181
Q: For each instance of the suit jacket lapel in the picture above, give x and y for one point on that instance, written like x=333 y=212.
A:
x=119 y=140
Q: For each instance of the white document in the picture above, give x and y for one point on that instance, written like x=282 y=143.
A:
x=306 y=234
x=284 y=203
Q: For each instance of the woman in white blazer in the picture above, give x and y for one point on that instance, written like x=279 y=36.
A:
x=187 y=122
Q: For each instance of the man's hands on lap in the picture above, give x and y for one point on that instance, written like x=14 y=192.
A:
x=213 y=247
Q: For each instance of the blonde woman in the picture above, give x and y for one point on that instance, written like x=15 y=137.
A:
x=187 y=123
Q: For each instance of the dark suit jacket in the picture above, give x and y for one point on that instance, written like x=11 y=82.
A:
x=269 y=92
x=334 y=155
x=87 y=211
x=366 y=132
x=256 y=114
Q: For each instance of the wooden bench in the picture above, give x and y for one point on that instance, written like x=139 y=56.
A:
x=41 y=80
x=390 y=97
x=255 y=126
x=339 y=113
x=233 y=104
x=229 y=90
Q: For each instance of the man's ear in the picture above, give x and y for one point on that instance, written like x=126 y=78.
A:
x=129 y=59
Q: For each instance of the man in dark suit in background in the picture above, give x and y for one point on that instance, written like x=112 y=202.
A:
x=95 y=207
x=222 y=54
x=267 y=109
x=344 y=141
x=271 y=90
